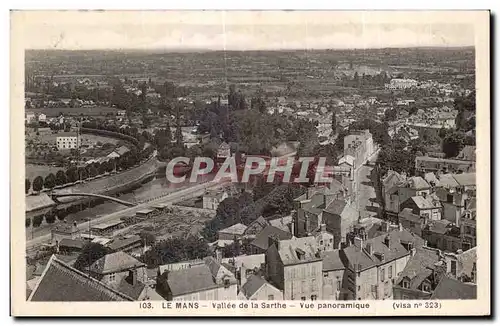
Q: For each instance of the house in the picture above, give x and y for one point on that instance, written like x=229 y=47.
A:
x=283 y=223
x=64 y=231
x=398 y=194
x=333 y=276
x=456 y=192
x=257 y=288
x=324 y=239
x=212 y=198
x=373 y=264
x=210 y=281
x=67 y=142
x=425 y=164
x=468 y=226
x=261 y=242
x=125 y=244
x=235 y=231
x=411 y=222
x=29 y=116
x=180 y=265
x=224 y=151
x=113 y=268
x=106 y=228
x=295 y=267
x=462 y=265
x=468 y=153
x=63 y=283
x=339 y=217
x=443 y=235
x=69 y=246
x=245 y=266
x=426 y=206
x=420 y=276
x=42 y=117
x=256 y=227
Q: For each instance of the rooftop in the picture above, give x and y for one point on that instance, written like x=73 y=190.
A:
x=420 y=266
x=118 y=244
x=36 y=202
x=332 y=261
x=60 y=282
x=451 y=289
x=190 y=280
x=262 y=239
x=117 y=261
x=252 y=285
x=237 y=229
x=298 y=250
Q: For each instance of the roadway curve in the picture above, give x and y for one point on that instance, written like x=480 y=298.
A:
x=81 y=194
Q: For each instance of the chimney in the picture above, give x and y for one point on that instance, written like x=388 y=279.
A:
x=358 y=242
x=424 y=195
x=385 y=227
x=387 y=240
x=369 y=249
x=400 y=227
x=218 y=255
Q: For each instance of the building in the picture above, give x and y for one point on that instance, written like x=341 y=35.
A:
x=245 y=266
x=295 y=267
x=468 y=226
x=261 y=242
x=113 y=268
x=233 y=232
x=333 y=276
x=456 y=192
x=468 y=153
x=411 y=222
x=29 y=116
x=462 y=265
x=210 y=281
x=283 y=223
x=420 y=276
x=339 y=217
x=373 y=264
x=106 y=228
x=180 y=265
x=399 y=83
x=324 y=239
x=63 y=283
x=443 y=235
x=67 y=142
x=359 y=144
x=224 y=151
x=42 y=117
x=212 y=199
x=69 y=246
x=451 y=289
x=426 y=206
x=256 y=227
x=257 y=288
x=64 y=231
x=398 y=194
x=125 y=244
x=425 y=164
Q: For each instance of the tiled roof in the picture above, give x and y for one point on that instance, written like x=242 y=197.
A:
x=408 y=215
x=213 y=265
x=122 y=243
x=252 y=285
x=332 y=261
x=447 y=181
x=237 y=229
x=249 y=261
x=190 y=280
x=430 y=177
x=282 y=223
x=289 y=250
x=419 y=266
x=465 y=179
x=440 y=226
x=262 y=239
x=114 y=262
x=418 y=183
x=60 y=282
x=426 y=203
x=467 y=260
x=451 y=289
x=71 y=243
x=132 y=290
x=359 y=259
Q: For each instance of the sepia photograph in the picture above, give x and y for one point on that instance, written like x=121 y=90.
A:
x=250 y=162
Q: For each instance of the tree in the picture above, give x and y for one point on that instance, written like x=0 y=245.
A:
x=27 y=185
x=147 y=238
x=37 y=220
x=453 y=143
x=60 y=177
x=61 y=214
x=38 y=184
x=334 y=121
x=27 y=222
x=175 y=250
x=50 y=181
x=71 y=174
x=90 y=254
x=50 y=217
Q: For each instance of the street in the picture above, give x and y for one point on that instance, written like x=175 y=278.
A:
x=366 y=199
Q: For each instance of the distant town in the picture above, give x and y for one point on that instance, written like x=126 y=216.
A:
x=396 y=221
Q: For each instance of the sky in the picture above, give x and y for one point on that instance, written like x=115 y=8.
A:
x=250 y=30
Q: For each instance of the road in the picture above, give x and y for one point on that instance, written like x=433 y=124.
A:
x=366 y=199
x=183 y=194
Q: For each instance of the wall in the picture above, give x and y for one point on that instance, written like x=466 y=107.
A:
x=263 y=294
x=400 y=293
x=220 y=293
x=331 y=289
x=303 y=281
x=274 y=267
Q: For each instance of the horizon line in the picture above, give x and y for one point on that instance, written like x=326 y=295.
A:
x=173 y=49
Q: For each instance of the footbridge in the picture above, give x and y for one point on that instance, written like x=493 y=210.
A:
x=55 y=196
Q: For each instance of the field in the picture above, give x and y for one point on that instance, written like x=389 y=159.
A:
x=91 y=111
x=50 y=138
x=33 y=170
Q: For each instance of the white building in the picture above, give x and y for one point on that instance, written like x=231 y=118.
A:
x=42 y=117
x=398 y=83
x=71 y=142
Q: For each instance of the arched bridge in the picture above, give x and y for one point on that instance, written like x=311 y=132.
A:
x=81 y=194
